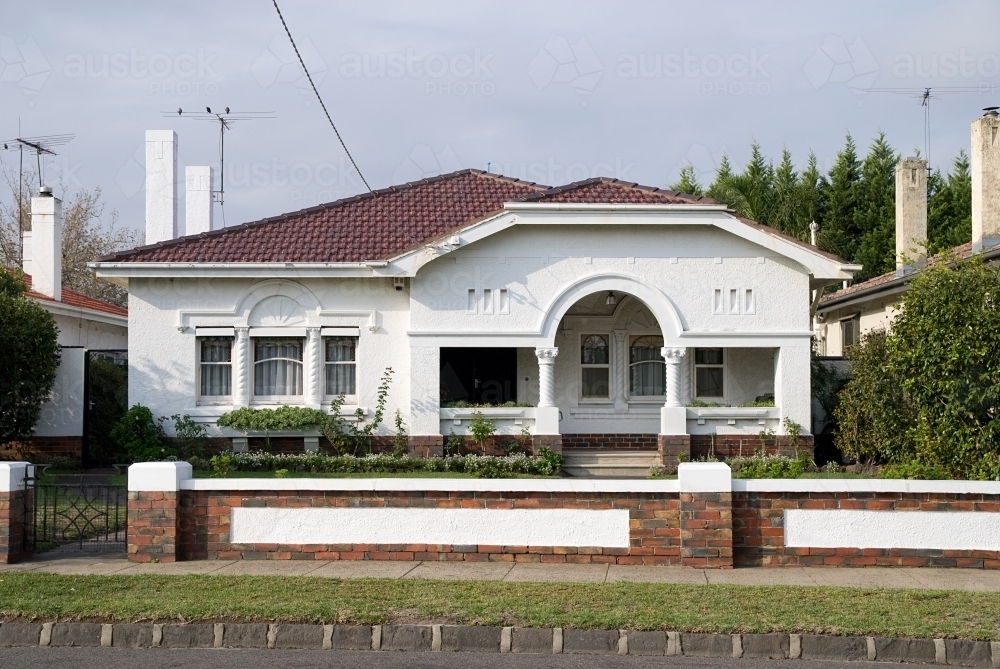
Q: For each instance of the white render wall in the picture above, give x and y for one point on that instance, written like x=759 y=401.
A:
x=62 y=414
x=79 y=331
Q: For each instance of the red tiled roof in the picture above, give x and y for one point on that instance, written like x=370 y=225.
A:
x=395 y=220
x=355 y=229
x=961 y=252
x=613 y=191
x=74 y=299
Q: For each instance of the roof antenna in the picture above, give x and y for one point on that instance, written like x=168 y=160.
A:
x=40 y=145
x=226 y=119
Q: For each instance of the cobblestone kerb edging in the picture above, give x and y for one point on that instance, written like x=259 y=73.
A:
x=484 y=639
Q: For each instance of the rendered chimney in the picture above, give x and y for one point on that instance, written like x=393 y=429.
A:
x=911 y=215
x=198 y=199
x=161 y=185
x=986 y=181
x=46 y=243
x=26 y=253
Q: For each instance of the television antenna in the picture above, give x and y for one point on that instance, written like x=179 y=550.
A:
x=928 y=93
x=41 y=145
x=226 y=119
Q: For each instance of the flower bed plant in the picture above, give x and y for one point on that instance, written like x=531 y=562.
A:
x=546 y=463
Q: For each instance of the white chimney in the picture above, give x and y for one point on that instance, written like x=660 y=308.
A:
x=198 y=199
x=26 y=252
x=46 y=243
x=911 y=215
x=985 y=181
x=161 y=185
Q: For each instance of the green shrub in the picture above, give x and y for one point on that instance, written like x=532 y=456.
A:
x=761 y=466
x=139 y=435
x=913 y=470
x=220 y=465
x=344 y=435
x=193 y=436
x=481 y=428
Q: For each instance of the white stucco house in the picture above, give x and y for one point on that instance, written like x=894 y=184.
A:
x=610 y=318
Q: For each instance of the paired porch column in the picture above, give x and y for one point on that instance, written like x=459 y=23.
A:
x=313 y=368
x=546 y=376
x=674 y=357
x=547 y=413
x=241 y=376
x=619 y=362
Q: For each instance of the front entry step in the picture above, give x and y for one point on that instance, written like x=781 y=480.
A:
x=610 y=464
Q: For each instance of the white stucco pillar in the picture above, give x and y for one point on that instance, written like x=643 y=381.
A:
x=619 y=364
x=425 y=391
x=241 y=368
x=792 y=393
x=685 y=369
x=313 y=361
x=673 y=415
x=546 y=413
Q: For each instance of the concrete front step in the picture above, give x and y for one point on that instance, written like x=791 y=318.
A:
x=609 y=463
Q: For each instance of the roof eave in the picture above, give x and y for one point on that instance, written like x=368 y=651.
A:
x=125 y=270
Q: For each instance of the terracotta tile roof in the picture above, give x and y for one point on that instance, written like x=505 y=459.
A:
x=355 y=229
x=400 y=218
x=956 y=253
x=613 y=191
x=74 y=299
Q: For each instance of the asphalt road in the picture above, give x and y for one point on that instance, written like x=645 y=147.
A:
x=161 y=658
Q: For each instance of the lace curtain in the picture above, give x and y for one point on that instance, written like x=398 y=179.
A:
x=216 y=366
x=277 y=367
x=340 y=366
x=647 y=374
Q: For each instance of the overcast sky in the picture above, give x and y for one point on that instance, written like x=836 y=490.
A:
x=547 y=91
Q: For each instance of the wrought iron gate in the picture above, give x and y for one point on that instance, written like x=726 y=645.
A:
x=76 y=517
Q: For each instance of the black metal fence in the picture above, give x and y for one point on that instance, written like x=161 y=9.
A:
x=77 y=517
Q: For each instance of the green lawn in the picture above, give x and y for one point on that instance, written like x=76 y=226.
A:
x=706 y=608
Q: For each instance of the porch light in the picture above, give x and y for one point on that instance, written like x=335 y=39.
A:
x=611 y=299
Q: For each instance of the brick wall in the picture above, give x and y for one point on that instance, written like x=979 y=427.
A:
x=759 y=537
x=616 y=442
x=654 y=536
x=12 y=508
x=706 y=525
x=55 y=447
x=152 y=526
x=734 y=445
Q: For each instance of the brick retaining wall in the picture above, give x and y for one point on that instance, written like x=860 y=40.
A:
x=722 y=446
x=614 y=442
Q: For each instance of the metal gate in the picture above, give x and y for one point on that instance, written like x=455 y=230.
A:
x=74 y=517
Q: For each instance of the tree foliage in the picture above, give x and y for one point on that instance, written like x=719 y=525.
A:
x=853 y=203
x=29 y=357
x=929 y=391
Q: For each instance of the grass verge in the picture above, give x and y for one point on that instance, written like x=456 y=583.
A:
x=701 y=608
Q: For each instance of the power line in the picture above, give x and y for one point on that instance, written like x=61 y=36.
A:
x=318 y=97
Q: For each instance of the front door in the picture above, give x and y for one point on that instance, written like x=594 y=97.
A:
x=478 y=375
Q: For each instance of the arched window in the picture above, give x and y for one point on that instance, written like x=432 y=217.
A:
x=277 y=367
x=646 y=371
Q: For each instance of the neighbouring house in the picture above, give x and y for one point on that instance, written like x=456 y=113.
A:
x=87 y=327
x=844 y=316
x=622 y=324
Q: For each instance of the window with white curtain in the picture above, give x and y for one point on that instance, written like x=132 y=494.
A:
x=595 y=367
x=341 y=365
x=646 y=370
x=215 y=358
x=277 y=367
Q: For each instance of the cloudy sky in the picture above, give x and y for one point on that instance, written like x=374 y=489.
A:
x=547 y=91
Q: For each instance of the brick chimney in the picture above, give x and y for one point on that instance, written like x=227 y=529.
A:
x=198 y=199
x=161 y=185
x=46 y=244
x=986 y=181
x=911 y=215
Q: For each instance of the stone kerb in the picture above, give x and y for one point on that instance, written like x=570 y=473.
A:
x=13 y=500
x=706 y=514
x=153 y=497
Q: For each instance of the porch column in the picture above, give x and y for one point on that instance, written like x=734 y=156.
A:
x=241 y=375
x=685 y=368
x=547 y=413
x=313 y=368
x=792 y=393
x=673 y=415
x=546 y=376
x=424 y=420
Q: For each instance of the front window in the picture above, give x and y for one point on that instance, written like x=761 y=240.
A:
x=341 y=354
x=277 y=367
x=216 y=366
x=646 y=371
x=709 y=372
x=849 y=333
x=595 y=368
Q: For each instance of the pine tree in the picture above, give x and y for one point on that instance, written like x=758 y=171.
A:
x=688 y=182
x=949 y=215
x=838 y=231
x=750 y=193
x=788 y=213
x=810 y=194
x=875 y=211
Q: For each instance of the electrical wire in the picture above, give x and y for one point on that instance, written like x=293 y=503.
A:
x=318 y=97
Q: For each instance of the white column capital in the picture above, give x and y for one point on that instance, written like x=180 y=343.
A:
x=242 y=333
x=546 y=356
x=673 y=355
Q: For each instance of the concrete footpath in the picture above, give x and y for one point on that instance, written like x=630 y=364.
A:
x=868 y=577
